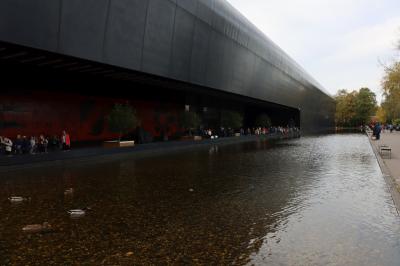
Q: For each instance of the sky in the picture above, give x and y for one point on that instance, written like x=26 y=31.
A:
x=341 y=43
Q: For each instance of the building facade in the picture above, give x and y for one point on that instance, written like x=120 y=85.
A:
x=66 y=62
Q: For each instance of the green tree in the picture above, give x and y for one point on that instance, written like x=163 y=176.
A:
x=354 y=108
x=231 y=119
x=122 y=119
x=263 y=120
x=190 y=121
x=366 y=106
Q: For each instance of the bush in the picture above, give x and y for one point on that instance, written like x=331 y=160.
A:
x=263 y=120
x=231 y=119
x=396 y=122
x=190 y=121
x=122 y=119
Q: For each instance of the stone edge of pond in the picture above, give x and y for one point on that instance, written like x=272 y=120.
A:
x=104 y=156
x=392 y=183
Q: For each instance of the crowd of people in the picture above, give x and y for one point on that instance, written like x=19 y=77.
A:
x=229 y=132
x=34 y=144
x=43 y=143
x=378 y=128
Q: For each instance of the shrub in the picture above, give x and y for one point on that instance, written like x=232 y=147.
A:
x=263 y=120
x=231 y=119
x=190 y=121
x=122 y=119
x=396 y=122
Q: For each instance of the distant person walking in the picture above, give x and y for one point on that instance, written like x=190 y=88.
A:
x=66 y=141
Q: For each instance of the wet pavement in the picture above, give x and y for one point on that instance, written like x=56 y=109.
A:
x=310 y=201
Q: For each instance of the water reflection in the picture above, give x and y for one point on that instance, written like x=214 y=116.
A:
x=312 y=201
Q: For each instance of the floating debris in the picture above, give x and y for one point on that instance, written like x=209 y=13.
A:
x=37 y=228
x=69 y=192
x=191 y=190
x=76 y=213
x=17 y=199
x=128 y=254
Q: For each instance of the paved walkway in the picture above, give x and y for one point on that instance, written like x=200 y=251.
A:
x=390 y=165
x=393 y=163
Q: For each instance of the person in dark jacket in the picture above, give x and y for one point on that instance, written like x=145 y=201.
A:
x=377 y=131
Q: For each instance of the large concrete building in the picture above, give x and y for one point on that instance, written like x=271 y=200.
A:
x=64 y=63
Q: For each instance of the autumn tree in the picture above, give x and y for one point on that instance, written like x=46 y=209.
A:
x=391 y=92
x=381 y=115
x=345 y=108
x=354 y=108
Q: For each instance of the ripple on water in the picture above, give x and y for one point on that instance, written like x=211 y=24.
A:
x=313 y=201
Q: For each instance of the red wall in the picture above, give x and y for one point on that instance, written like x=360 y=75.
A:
x=35 y=113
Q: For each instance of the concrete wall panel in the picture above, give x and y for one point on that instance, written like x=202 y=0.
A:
x=189 y=5
x=158 y=37
x=82 y=28
x=30 y=23
x=125 y=32
x=182 y=45
x=200 y=53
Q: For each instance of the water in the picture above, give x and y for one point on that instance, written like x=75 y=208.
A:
x=312 y=201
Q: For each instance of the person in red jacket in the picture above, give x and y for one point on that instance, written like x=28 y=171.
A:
x=66 y=141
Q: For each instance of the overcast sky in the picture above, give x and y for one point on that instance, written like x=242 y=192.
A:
x=339 y=42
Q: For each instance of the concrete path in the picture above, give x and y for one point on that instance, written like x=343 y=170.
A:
x=390 y=165
x=393 y=163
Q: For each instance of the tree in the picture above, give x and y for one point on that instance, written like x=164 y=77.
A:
x=391 y=91
x=381 y=115
x=231 y=119
x=122 y=119
x=354 y=108
x=345 y=108
x=365 y=106
x=263 y=120
x=396 y=122
x=190 y=121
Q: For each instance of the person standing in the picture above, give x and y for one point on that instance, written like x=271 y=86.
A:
x=66 y=141
x=8 y=145
x=377 y=131
x=32 y=146
x=43 y=142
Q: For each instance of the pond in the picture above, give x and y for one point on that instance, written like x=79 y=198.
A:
x=312 y=201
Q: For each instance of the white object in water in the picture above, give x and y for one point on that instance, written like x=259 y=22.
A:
x=77 y=212
x=69 y=191
x=16 y=199
x=191 y=190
